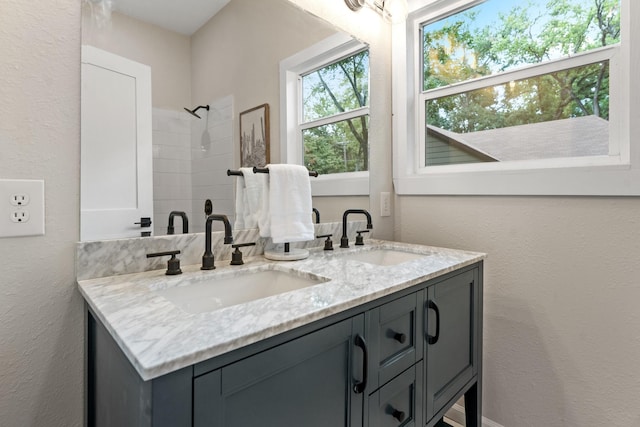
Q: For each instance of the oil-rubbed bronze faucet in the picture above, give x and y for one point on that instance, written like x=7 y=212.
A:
x=185 y=222
x=344 y=240
x=207 y=258
x=173 y=265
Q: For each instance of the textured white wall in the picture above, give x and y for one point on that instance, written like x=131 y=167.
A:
x=41 y=312
x=332 y=208
x=562 y=287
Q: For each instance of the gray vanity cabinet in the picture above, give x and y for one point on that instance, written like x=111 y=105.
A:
x=401 y=360
x=307 y=381
x=452 y=343
x=426 y=350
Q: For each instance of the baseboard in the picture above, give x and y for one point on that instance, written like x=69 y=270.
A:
x=456 y=413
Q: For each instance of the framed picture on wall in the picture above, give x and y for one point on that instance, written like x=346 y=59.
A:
x=254 y=136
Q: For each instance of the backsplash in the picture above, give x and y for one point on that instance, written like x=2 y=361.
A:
x=114 y=257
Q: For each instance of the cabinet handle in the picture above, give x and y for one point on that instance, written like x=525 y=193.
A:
x=398 y=415
x=433 y=306
x=360 y=386
x=400 y=337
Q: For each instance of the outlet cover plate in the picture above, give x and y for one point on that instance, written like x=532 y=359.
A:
x=30 y=191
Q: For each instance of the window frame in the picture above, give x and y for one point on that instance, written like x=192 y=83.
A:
x=615 y=174
x=292 y=69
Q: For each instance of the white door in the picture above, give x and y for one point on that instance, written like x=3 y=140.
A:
x=116 y=187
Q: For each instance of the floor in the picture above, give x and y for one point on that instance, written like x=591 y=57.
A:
x=452 y=423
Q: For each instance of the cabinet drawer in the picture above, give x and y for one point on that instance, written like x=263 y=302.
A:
x=398 y=403
x=392 y=331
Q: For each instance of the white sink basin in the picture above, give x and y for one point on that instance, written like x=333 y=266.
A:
x=382 y=256
x=213 y=293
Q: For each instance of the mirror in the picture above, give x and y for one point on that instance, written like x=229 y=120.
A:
x=228 y=61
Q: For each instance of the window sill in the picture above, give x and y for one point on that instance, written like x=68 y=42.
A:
x=341 y=184
x=611 y=178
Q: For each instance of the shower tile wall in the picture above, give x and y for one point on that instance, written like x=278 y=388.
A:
x=172 y=182
x=190 y=161
x=211 y=155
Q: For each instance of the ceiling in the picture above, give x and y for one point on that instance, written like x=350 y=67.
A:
x=183 y=16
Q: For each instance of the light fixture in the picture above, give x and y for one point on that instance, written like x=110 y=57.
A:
x=390 y=10
x=99 y=11
x=354 y=4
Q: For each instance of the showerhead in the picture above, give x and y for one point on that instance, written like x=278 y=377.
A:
x=193 y=112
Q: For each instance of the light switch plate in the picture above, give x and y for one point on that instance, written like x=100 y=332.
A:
x=385 y=203
x=21 y=207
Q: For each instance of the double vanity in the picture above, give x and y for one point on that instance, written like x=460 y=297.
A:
x=386 y=334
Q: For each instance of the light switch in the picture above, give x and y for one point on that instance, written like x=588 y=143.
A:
x=21 y=207
x=385 y=203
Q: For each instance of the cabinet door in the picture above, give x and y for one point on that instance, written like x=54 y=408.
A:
x=393 y=337
x=398 y=403
x=308 y=381
x=451 y=339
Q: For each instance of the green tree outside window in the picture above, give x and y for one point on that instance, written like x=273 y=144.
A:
x=340 y=145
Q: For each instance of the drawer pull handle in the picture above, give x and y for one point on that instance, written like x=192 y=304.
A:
x=398 y=415
x=434 y=339
x=400 y=337
x=359 y=387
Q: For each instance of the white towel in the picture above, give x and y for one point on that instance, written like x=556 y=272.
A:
x=264 y=215
x=241 y=203
x=248 y=199
x=254 y=187
x=289 y=204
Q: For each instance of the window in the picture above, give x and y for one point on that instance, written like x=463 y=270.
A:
x=326 y=88
x=335 y=116
x=518 y=118
x=534 y=90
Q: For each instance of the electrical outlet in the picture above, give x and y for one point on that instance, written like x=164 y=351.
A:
x=19 y=199
x=21 y=207
x=385 y=203
x=20 y=215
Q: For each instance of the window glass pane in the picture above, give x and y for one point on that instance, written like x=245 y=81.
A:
x=336 y=88
x=499 y=35
x=338 y=147
x=561 y=114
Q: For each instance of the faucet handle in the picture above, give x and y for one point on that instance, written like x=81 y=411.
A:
x=328 y=244
x=359 y=238
x=236 y=256
x=173 y=265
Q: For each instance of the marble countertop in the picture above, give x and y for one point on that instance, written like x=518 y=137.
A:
x=158 y=337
